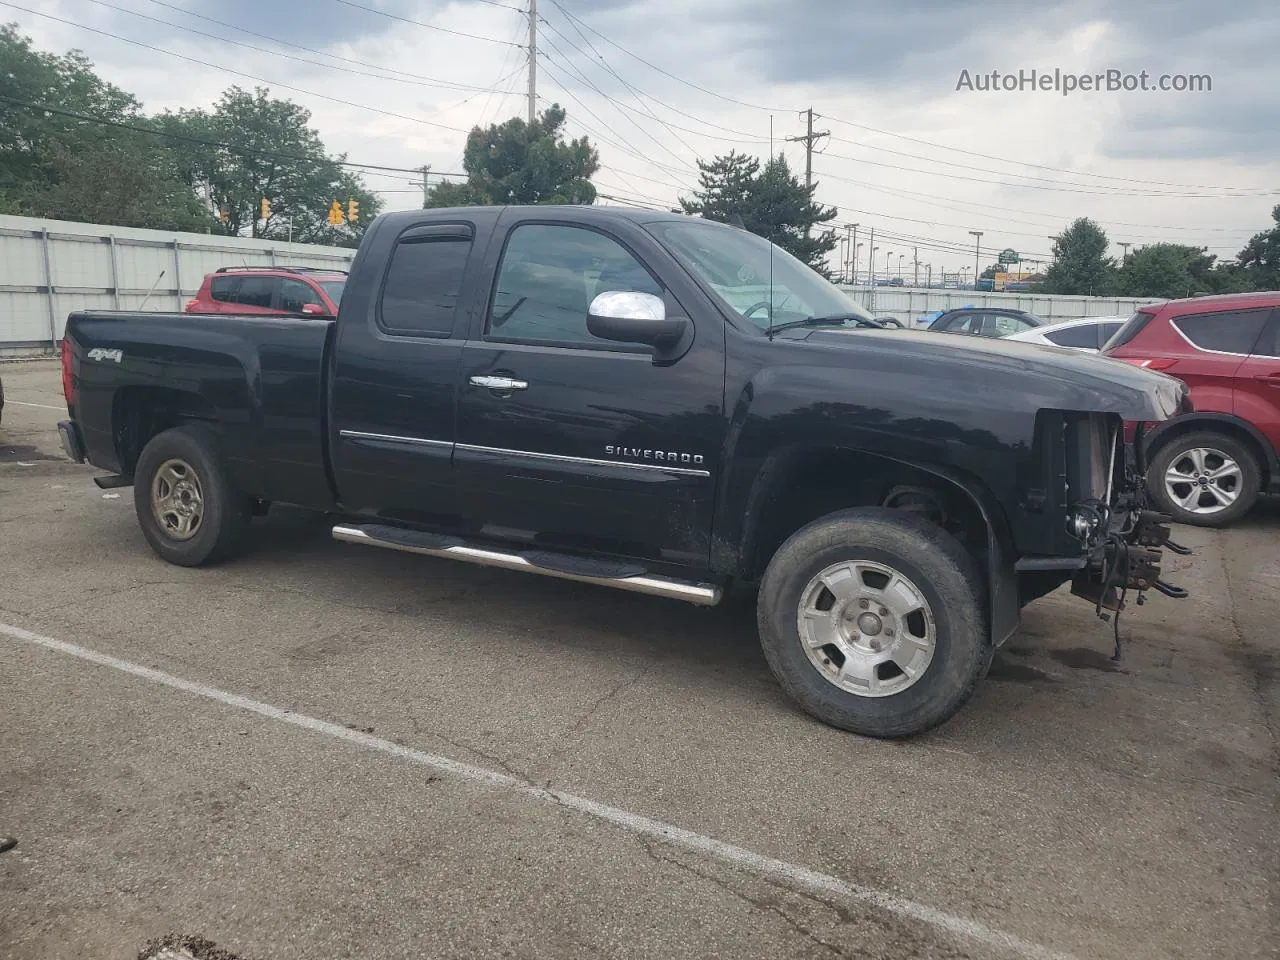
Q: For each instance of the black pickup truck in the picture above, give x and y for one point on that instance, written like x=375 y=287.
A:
x=653 y=403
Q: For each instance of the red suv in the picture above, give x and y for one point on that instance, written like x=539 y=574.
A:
x=1209 y=467
x=270 y=291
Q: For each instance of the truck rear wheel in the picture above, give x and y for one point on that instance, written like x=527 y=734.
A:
x=874 y=622
x=188 y=510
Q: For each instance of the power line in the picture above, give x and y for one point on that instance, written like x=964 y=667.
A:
x=408 y=77
x=1022 y=163
x=573 y=22
x=605 y=63
x=1100 y=192
x=506 y=91
x=1072 y=187
x=1050 y=220
x=625 y=149
x=928 y=143
x=238 y=73
x=432 y=26
x=569 y=66
x=201 y=141
x=665 y=73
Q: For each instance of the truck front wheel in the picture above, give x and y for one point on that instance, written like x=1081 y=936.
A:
x=188 y=510
x=874 y=622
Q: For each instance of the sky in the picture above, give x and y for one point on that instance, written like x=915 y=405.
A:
x=920 y=148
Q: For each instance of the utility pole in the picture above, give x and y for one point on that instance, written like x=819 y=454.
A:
x=977 y=248
x=1125 y=255
x=533 y=60
x=809 y=138
x=915 y=266
x=871 y=271
x=852 y=230
x=426 y=191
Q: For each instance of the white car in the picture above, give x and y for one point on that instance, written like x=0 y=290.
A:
x=1088 y=334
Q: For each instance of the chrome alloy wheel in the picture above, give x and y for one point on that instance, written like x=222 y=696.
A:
x=177 y=500
x=867 y=628
x=1203 y=480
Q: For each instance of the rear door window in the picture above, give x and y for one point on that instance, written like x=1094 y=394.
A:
x=257 y=291
x=424 y=282
x=1005 y=324
x=965 y=323
x=1233 y=332
x=1269 y=343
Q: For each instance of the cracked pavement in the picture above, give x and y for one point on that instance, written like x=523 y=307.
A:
x=1100 y=810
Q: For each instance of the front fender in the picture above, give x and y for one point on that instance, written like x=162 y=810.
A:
x=773 y=479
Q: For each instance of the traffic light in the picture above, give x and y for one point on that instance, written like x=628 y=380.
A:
x=335 y=214
x=353 y=211
x=265 y=208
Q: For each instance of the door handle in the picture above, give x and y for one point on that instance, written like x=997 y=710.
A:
x=499 y=383
x=1271 y=378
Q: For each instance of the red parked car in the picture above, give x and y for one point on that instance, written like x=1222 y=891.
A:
x=270 y=291
x=1208 y=467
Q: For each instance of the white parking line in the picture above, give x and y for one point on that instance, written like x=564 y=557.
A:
x=42 y=406
x=797 y=877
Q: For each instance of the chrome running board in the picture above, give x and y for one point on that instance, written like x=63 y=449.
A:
x=620 y=576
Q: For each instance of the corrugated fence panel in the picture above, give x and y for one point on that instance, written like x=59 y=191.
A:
x=110 y=268
x=914 y=304
x=117 y=268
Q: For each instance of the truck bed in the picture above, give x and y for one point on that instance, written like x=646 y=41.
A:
x=260 y=380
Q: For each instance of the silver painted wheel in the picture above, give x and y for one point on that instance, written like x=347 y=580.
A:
x=866 y=628
x=177 y=499
x=1203 y=480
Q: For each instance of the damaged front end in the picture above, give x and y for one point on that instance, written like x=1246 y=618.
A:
x=1122 y=538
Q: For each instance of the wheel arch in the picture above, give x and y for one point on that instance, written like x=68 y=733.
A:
x=141 y=412
x=800 y=485
x=1233 y=426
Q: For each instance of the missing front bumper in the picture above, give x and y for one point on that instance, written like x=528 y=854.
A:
x=1130 y=561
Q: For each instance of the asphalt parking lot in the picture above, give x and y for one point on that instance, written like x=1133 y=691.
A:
x=318 y=750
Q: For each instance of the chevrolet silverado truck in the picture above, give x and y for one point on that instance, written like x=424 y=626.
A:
x=653 y=403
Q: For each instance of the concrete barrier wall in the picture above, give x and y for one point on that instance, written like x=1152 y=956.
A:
x=50 y=268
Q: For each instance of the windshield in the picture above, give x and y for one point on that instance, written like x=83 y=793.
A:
x=754 y=278
x=333 y=288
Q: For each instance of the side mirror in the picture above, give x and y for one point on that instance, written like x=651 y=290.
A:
x=314 y=310
x=630 y=317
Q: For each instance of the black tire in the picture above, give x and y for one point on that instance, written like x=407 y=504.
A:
x=1177 y=449
x=941 y=570
x=225 y=512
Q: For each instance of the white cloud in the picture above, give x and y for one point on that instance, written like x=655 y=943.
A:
x=893 y=70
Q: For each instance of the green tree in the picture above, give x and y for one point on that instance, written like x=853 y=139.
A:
x=1080 y=262
x=519 y=162
x=55 y=165
x=251 y=146
x=769 y=201
x=1167 y=270
x=726 y=191
x=1259 y=261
